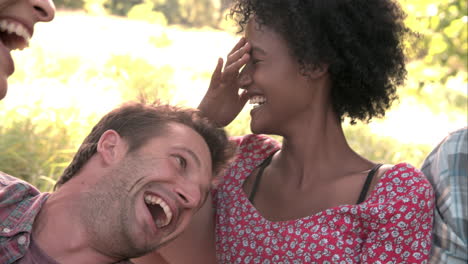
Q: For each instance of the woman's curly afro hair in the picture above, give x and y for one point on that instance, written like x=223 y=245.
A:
x=361 y=41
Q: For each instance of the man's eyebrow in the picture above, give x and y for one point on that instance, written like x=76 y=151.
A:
x=191 y=153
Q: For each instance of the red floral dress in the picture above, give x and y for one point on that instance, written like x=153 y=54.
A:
x=393 y=225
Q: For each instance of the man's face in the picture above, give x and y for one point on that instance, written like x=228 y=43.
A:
x=17 y=20
x=151 y=195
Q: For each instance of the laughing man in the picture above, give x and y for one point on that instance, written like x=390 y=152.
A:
x=133 y=186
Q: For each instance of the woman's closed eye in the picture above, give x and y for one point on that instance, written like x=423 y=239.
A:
x=255 y=60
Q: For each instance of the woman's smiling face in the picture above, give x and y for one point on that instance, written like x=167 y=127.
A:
x=281 y=93
x=17 y=20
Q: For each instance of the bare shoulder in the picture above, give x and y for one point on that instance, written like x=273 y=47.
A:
x=406 y=173
x=378 y=175
x=195 y=245
x=382 y=170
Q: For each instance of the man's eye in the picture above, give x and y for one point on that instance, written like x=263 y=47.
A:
x=182 y=161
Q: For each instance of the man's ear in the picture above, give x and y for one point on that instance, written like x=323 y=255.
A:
x=111 y=147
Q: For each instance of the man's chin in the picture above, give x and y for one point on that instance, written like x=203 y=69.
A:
x=148 y=247
x=164 y=243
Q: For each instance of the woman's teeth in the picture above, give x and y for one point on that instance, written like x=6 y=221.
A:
x=153 y=200
x=257 y=101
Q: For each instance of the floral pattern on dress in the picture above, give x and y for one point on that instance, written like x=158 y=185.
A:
x=393 y=225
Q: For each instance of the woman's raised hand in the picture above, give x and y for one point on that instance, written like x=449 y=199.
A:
x=222 y=101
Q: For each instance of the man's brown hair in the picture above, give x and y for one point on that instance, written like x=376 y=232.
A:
x=137 y=123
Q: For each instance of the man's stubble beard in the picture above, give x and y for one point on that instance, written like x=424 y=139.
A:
x=106 y=211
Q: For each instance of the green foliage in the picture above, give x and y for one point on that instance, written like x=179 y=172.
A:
x=121 y=7
x=240 y=125
x=194 y=13
x=144 y=11
x=38 y=141
x=444 y=31
x=95 y=7
x=35 y=146
x=384 y=149
x=69 y=4
x=161 y=41
x=434 y=86
x=438 y=70
x=138 y=79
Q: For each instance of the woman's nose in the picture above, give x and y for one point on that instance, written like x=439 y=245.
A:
x=44 y=10
x=245 y=77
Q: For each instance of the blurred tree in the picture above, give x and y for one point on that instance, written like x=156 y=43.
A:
x=438 y=62
x=69 y=4
x=95 y=7
x=139 y=80
x=195 y=13
x=190 y=12
x=443 y=24
x=121 y=7
x=145 y=11
x=443 y=27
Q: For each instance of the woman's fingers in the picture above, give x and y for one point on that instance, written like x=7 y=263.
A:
x=216 y=77
x=238 y=54
x=227 y=78
x=235 y=62
x=238 y=45
x=231 y=71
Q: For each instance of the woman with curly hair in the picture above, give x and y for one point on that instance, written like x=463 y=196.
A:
x=305 y=65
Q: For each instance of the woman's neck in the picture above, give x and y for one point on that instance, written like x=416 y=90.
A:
x=318 y=151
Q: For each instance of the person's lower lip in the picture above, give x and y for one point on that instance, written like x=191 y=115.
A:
x=8 y=64
x=255 y=109
x=150 y=221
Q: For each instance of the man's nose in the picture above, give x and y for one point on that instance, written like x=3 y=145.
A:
x=43 y=9
x=188 y=194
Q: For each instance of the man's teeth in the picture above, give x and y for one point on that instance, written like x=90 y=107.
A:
x=151 y=199
x=15 y=28
x=257 y=100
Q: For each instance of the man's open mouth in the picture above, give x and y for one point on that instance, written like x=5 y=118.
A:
x=14 y=35
x=159 y=210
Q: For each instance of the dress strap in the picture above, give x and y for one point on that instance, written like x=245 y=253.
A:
x=369 y=178
x=262 y=167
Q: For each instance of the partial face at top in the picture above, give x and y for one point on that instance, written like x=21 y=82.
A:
x=283 y=97
x=17 y=20
x=151 y=194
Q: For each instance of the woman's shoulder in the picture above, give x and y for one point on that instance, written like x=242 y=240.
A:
x=254 y=139
x=256 y=144
x=404 y=174
x=251 y=151
x=403 y=181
